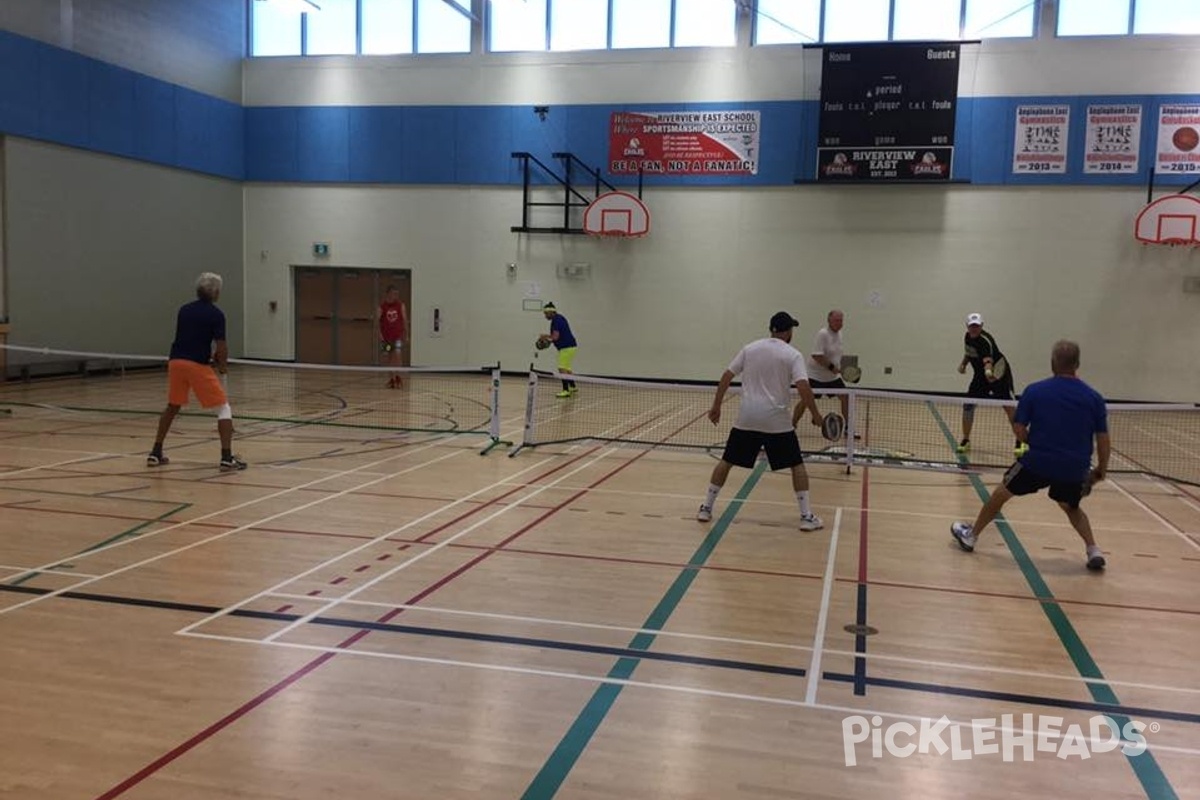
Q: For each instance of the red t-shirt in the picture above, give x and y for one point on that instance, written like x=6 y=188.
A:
x=391 y=321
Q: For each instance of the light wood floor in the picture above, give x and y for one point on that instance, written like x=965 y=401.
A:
x=364 y=614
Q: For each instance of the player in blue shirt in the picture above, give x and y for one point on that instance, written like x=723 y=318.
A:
x=198 y=353
x=1058 y=418
x=562 y=338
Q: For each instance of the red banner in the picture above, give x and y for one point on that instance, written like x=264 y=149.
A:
x=684 y=142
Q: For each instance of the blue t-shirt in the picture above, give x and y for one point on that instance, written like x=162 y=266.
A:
x=565 y=338
x=197 y=326
x=1063 y=415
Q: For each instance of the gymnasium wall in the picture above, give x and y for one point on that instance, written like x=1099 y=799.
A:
x=117 y=113
x=199 y=45
x=102 y=251
x=402 y=162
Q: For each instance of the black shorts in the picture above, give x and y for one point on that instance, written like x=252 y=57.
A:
x=1019 y=480
x=783 y=449
x=836 y=383
x=992 y=390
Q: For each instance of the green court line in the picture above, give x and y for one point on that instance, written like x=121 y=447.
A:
x=28 y=576
x=559 y=764
x=1149 y=773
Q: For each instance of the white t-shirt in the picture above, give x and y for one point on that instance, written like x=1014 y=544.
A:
x=769 y=368
x=829 y=344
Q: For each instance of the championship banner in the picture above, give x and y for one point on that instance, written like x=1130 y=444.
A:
x=1041 y=139
x=1114 y=137
x=684 y=142
x=887 y=112
x=1178 y=139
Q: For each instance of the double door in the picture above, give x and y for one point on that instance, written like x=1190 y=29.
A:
x=337 y=313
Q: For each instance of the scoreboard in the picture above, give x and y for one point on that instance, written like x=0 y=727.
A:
x=887 y=112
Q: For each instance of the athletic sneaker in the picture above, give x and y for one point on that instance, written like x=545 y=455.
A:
x=811 y=522
x=564 y=393
x=1095 y=559
x=961 y=531
x=157 y=460
x=964 y=446
x=1021 y=449
x=704 y=514
x=232 y=463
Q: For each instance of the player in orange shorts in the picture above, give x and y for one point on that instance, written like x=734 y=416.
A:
x=193 y=367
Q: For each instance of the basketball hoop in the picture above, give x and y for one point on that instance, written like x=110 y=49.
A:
x=1173 y=220
x=616 y=215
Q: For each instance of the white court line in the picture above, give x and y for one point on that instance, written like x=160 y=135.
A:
x=814 y=667
x=14 y=472
x=603 y=679
x=1166 y=523
x=435 y=548
x=851 y=509
x=447 y=542
x=1068 y=678
x=232 y=531
x=67 y=572
x=273 y=590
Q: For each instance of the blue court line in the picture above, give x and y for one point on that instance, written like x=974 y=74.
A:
x=552 y=644
x=560 y=763
x=1149 y=773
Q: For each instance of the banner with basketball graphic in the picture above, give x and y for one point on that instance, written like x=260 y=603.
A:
x=1114 y=139
x=1041 y=139
x=713 y=142
x=1178 y=140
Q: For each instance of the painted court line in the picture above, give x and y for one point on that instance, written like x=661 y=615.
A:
x=1163 y=521
x=814 y=667
x=619 y=682
x=881 y=657
x=273 y=591
x=450 y=540
x=224 y=534
x=1150 y=775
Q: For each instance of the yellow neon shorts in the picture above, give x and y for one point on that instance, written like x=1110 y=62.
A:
x=566 y=357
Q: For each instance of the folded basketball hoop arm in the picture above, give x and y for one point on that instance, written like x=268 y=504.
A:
x=573 y=194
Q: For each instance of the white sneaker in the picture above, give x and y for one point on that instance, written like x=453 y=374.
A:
x=961 y=531
x=811 y=522
x=704 y=514
x=1095 y=559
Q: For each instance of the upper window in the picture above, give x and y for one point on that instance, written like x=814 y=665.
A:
x=1166 y=16
x=442 y=27
x=579 y=25
x=856 y=20
x=332 y=31
x=516 y=25
x=930 y=20
x=330 y=27
x=641 y=23
x=993 y=19
x=788 y=22
x=705 y=23
x=387 y=27
x=1093 y=17
x=277 y=29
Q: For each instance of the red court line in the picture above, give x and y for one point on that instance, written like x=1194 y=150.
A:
x=266 y=695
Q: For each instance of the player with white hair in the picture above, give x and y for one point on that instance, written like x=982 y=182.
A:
x=199 y=349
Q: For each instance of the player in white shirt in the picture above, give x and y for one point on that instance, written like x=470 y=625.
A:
x=769 y=368
x=825 y=360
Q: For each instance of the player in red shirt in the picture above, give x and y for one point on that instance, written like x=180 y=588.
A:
x=393 y=330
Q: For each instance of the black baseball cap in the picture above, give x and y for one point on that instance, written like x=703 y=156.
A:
x=783 y=321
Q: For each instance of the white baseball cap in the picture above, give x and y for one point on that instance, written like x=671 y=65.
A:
x=974 y=319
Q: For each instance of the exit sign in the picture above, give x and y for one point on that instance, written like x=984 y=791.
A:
x=320 y=248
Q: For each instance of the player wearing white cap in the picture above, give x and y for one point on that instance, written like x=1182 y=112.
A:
x=982 y=353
